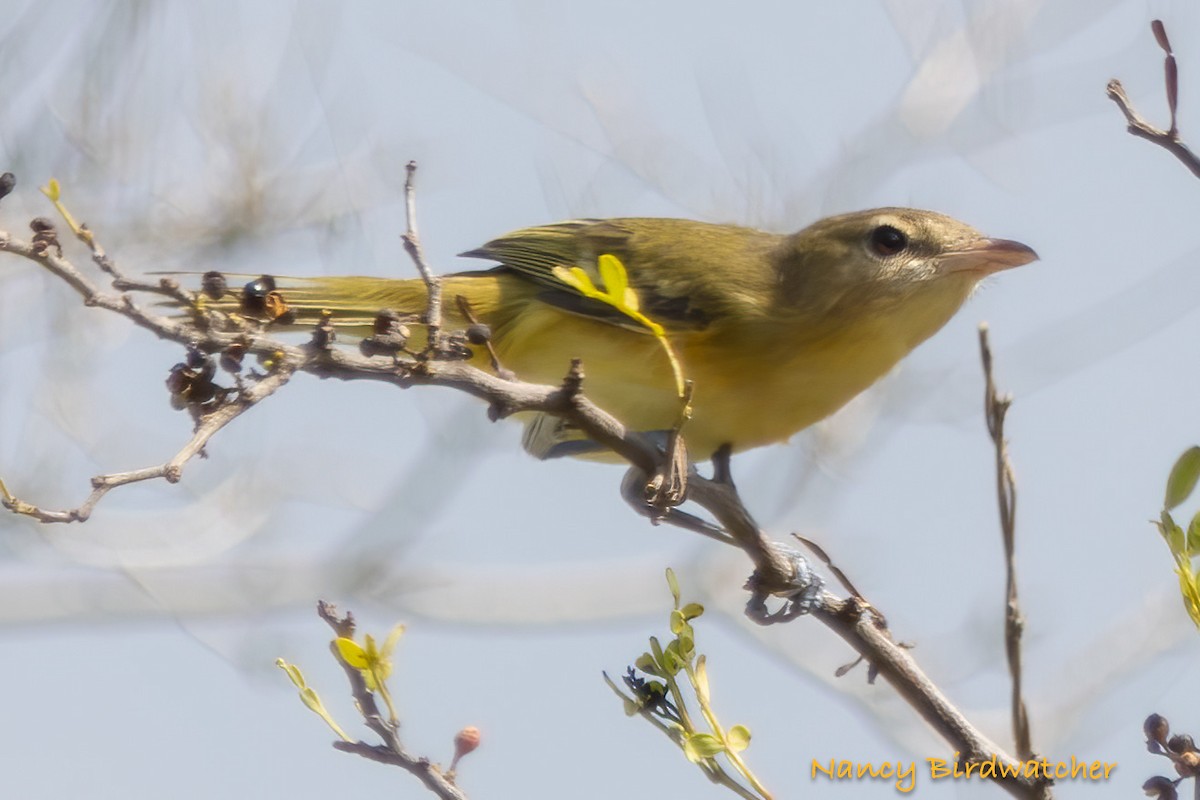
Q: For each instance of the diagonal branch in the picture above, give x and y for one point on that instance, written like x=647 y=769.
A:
x=995 y=409
x=1138 y=126
x=433 y=284
x=392 y=751
x=170 y=471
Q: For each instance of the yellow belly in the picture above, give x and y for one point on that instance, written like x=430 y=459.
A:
x=748 y=390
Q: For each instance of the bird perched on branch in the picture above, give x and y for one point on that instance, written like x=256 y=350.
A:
x=775 y=332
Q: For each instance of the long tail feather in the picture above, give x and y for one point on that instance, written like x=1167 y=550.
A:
x=352 y=301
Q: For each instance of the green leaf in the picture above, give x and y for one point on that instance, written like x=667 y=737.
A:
x=390 y=643
x=672 y=662
x=687 y=643
x=1165 y=523
x=293 y=672
x=616 y=281
x=310 y=699
x=1177 y=542
x=1183 y=478
x=657 y=650
x=702 y=680
x=673 y=584
x=1189 y=587
x=692 y=610
x=1192 y=601
x=699 y=746
x=738 y=738
x=648 y=665
x=677 y=621
x=1193 y=536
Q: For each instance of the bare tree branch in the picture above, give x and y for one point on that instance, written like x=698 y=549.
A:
x=433 y=284
x=392 y=751
x=170 y=471
x=995 y=409
x=1168 y=139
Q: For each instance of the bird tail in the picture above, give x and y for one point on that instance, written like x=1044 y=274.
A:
x=349 y=302
x=353 y=304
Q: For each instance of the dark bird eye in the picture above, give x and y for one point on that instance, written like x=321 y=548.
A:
x=887 y=241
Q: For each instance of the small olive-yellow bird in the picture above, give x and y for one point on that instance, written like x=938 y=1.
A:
x=775 y=331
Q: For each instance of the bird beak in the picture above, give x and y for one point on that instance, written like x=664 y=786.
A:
x=987 y=256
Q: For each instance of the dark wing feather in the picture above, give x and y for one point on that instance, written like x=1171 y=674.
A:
x=664 y=293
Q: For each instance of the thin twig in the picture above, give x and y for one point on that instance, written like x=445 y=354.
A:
x=995 y=408
x=170 y=471
x=1167 y=139
x=392 y=751
x=853 y=621
x=433 y=284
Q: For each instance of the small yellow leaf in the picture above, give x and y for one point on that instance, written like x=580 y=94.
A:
x=52 y=190
x=1193 y=601
x=646 y=664
x=293 y=672
x=738 y=738
x=564 y=275
x=612 y=272
x=352 y=652
x=584 y=282
x=310 y=699
x=702 y=680
x=673 y=585
x=1189 y=590
x=390 y=643
x=699 y=746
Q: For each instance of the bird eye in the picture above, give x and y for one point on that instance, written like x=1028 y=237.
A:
x=887 y=241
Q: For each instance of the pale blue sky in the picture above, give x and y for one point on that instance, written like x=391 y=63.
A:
x=136 y=651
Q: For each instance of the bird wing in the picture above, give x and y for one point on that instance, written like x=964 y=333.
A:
x=664 y=291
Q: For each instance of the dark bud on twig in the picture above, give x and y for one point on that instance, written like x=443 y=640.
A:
x=455 y=348
x=276 y=308
x=1160 y=34
x=232 y=356
x=390 y=337
x=478 y=333
x=1181 y=743
x=1171 y=71
x=178 y=379
x=8 y=182
x=1156 y=729
x=385 y=321
x=214 y=285
x=254 y=295
x=44 y=236
x=1160 y=787
x=1188 y=764
x=196 y=358
x=324 y=334
x=191 y=382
